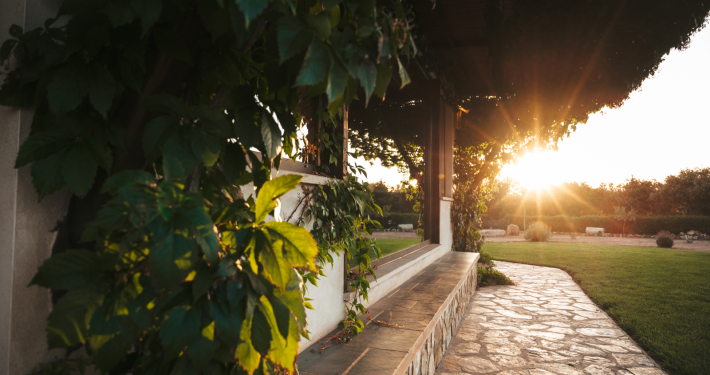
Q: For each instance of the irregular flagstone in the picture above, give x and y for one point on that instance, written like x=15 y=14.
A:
x=626 y=344
x=598 y=370
x=559 y=368
x=586 y=350
x=467 y=348
x=513 y=314
x=544 y=355
x=600 y=332
x=495 y=340
x=525 y=341
x=507 y=349
x=602 y=361
x=535 y=326
x=552 y=345
x=539 y=371
x=610 y=348
x=497 y=334
x=586 y=306
x=632 y=359
x=509 y=361
x=542 y=334
x=543 y=325
x=477 y=365
x=565 y=331
x=557 y=324
x=591 y=315
x=646 y=371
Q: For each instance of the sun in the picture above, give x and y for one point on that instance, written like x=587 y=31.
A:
x=534 y=171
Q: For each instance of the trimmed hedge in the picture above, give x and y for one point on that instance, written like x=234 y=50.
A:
x=643 y=225
x=399 y=219
x=397 y=201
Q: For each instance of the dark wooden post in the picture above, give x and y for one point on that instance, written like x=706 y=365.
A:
x=432 y=166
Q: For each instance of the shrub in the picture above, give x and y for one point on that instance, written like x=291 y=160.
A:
x=513 y=230
x=665 y=233
x=420 y=233
x=538 y=232
x=664 y=239
x=490 y=276
x=486 y=259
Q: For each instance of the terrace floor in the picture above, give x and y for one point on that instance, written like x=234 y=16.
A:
x=543 y=325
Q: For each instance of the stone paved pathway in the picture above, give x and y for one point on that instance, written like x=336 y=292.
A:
x=543 y=325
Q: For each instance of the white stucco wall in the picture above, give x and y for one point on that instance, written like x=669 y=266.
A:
x=327 y=301
x=26 y=238
x=445 y=230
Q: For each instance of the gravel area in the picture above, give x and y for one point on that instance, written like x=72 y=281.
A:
x=623 y=241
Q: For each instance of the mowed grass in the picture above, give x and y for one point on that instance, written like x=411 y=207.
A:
x=389 y=246
x=660 y=297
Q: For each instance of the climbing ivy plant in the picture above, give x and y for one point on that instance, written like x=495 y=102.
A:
x=340 y=212
x=154 y=113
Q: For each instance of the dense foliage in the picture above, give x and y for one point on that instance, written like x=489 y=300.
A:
x=154 y=113
x=489 y=276
x=469 y=203
x=339 y=211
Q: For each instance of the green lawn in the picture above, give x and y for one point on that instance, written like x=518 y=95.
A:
x=391 y=245
x=660 y=297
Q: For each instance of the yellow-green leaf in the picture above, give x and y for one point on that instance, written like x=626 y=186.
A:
x=270 y=191
x=246 y=354
x=276 y=267
x=300 y=247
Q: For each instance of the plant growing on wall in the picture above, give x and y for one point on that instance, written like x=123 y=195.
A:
x=152 y=113
x=339 y=211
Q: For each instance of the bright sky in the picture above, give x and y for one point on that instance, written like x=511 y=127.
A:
x=662 y=128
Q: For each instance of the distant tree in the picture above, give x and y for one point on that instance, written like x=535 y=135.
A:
x=637 y=193
x=689 y=191
x=620 y=214
x=380 y=187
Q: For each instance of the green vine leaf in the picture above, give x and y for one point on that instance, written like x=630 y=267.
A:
x=277 y=269
x=246 y=354
x=298 y=244
x=68 y=88
x=79 y=169
x=41 y=145
x=271 y=135
x=47 y=174
x=270 y=191
x=180 y=327
x=251 y=8
x=68 y=323
x=316 y=65
x=171 y=260
x=294 y=36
